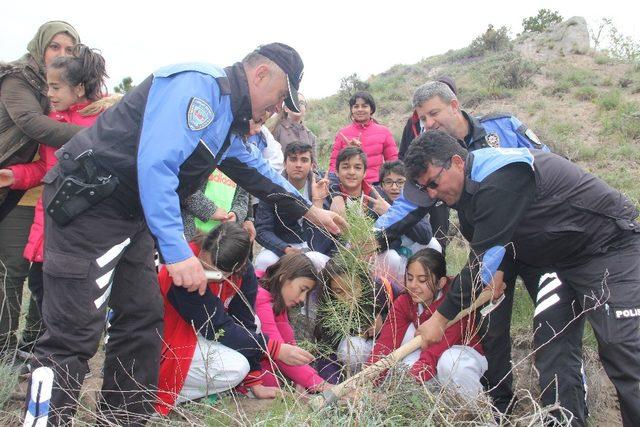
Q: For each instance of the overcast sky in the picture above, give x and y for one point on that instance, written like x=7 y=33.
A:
x=334 y=38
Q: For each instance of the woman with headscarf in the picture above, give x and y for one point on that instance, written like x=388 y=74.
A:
x=23 y=125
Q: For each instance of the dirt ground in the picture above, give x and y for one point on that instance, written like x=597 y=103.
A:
x=603 y=405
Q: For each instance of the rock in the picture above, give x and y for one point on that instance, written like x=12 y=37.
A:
x=570 y=36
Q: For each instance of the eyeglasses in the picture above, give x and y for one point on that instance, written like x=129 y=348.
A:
x=433 y=184
x=389 y=182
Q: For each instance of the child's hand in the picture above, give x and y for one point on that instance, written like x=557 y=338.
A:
x=378 y=204
x=263 y=392
x=375 y=328
x=220 y=215
x=322 y=387
x=294 y=355
x=6 y=178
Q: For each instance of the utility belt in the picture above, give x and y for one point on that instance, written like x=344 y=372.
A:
x=82 y=184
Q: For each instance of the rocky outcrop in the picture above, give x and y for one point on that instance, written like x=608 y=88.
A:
x=570 y=36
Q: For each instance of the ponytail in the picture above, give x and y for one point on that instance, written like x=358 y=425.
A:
x=85 y=66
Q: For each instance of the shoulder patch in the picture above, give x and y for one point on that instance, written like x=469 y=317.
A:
x=494 y=116
x=533 y=137
x=199 y=114
x=493 y=140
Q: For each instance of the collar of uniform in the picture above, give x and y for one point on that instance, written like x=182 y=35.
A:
x=476 y=130
x=240 y=98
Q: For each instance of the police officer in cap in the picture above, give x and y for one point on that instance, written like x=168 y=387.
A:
x=117 y=189
x=554 y=215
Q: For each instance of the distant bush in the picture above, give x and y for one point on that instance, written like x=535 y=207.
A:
x=515 y=72
x=491 y=40
x=622 y=120
x=602 y=58
x=625 y=81
x=350 y=85
x=586 y=93
x=558 y=89
x=542 y=21
x=609 y=101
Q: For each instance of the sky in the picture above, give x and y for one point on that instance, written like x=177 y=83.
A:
x=334 y=38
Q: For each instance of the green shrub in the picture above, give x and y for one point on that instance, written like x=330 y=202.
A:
x=625 y=81
x=350 y=85
x=621 y=122
x=586 y=93
x=515 y=72
x=542 y=21
x=557 y=89
x=602 y=58
x=491 y=40
x=609 y=101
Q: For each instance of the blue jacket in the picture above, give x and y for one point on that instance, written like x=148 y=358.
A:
x=166 y=137
x=495 y=130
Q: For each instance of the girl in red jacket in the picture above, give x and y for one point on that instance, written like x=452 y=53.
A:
x=75 y=83
x=456 y=360
x=285 y=285
x=210 y=342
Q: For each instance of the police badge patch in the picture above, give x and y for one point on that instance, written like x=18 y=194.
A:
x=493 y=140
x=199 y=114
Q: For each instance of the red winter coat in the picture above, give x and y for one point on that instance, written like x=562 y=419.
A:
x=377 y=143
x=29 y=175
x=180 y=340
x=405 y=312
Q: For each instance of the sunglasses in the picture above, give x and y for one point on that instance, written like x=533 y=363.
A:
x=433 y=184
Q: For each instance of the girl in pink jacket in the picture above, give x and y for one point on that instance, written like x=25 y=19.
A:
x=365 y=132
x=286 y=285
x=75 y=82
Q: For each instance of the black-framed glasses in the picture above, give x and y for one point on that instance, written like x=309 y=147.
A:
x=398 y=183
x=433 y=184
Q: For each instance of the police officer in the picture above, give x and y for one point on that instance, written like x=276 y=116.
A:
x=437 y=107
x=116 y=189
x=554 y=215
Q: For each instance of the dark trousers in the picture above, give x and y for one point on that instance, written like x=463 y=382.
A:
x=608 y=289
x=559 y=358
x=99 y=259
x=439 y=220
x=14 y=268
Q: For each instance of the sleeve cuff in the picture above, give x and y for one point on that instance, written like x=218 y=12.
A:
x=273 y=348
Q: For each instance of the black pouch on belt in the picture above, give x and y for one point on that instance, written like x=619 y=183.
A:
x=77 y=192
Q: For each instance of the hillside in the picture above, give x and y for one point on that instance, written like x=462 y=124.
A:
x=584 y=106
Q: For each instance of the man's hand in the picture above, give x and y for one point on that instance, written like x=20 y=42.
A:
x=231 y=217
x=338 y=206
x=378 y=203
x=250 y=228
x=6 y=178
x=333 y=222
x=432 y=330
x=294 y=355
x=188 y=274
x=497 y=285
